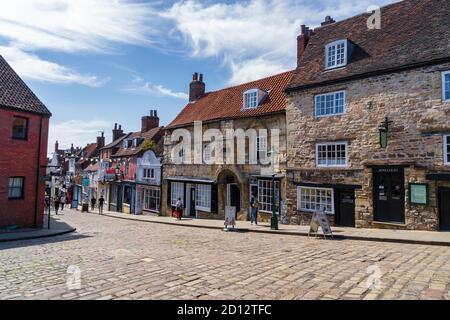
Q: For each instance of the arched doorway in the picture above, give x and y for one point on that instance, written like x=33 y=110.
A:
x=230 y=189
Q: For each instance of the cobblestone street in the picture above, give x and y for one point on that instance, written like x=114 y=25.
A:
x=120 y=259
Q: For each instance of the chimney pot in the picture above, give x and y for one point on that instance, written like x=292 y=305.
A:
x=150 y=122
x=302 y=42
x=328 y=20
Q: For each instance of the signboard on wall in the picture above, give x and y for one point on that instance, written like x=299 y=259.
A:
x=418 y=193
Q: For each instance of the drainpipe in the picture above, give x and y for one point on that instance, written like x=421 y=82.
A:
x=38 y=172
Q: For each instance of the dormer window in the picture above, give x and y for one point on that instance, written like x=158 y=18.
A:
x=336 y=54
x=251 y=99
x=127 y=144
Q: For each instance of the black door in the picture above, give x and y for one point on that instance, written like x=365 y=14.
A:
x=345 y=215
x=235 y=197
x=119 y=199
x=192 y=204
x=389 y=194
x=444 y=209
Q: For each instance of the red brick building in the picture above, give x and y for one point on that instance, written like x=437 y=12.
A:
x=24 y=121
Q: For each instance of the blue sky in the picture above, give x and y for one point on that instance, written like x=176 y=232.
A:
x=98 y=62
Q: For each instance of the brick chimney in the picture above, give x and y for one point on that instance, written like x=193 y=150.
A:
x=117 y=132
x=328 y=20
x=150 y=122
x=302 y=42
x=196 y=88
x=101 y=141
x=56 y=146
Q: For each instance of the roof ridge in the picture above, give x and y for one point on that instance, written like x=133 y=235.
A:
x=358 y=15
x=250 y=82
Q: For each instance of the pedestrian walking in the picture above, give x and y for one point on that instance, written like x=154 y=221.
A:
x=47 y=203
x=101 y=202
x=254 y=209
x=93 y=202
x=63 y=201
x=57 y=203
x=179 y=209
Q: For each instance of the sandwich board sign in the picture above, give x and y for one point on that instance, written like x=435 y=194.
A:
x=230 y=217
x=319 y=219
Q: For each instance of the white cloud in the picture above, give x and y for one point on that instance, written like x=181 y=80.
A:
x=254 y=38
x=32 y=67
x=140 y=86
x=84 y=26
x=78 y=132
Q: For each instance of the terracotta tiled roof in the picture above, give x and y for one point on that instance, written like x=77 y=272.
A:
x=227 y=103
x=14 y=93
x=90 y=151
x=154 y=134
x=92 y=167
x=412 y=32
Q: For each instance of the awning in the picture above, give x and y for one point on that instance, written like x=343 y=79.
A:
x=190 y=179
x=268 y=177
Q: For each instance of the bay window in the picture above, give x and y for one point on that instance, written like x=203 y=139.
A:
x=152 y=199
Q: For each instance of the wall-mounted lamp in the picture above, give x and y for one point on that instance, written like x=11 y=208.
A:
x=384 y=130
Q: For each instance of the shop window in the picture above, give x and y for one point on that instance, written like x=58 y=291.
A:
x=203 y=197
x=177 y=192
x=265 y=199
x=315 y=199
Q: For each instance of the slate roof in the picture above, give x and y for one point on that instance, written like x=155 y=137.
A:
x=154 y=134
x=14 y=93
x=227 y=103
x=116 y=142
x=412 y=32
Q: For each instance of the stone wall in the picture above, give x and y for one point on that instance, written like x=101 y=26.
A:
x=411 y=99
x=217 y=172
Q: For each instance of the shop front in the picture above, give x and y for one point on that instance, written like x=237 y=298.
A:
x=148 y=199
x=128 y=190
x=199 y=196
x=115 y=197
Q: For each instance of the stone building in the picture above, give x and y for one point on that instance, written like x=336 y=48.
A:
x=368 y=119
x=210 y=168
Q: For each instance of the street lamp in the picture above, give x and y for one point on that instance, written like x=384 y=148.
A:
x=274 y=219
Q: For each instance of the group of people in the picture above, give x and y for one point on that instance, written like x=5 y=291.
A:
x=101 y=203
x=58 y=202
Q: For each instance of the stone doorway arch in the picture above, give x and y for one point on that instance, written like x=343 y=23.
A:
x=231 y=188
